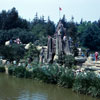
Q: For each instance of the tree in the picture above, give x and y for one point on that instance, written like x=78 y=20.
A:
x=11 y=20
x=92 y=37
x=50 y=27
x=13 y=52
x=41 y=29
x=32 y=52
x=81 y=31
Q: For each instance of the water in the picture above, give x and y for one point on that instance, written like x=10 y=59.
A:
x=12 y=88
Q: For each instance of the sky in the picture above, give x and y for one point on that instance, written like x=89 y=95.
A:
x=86 y=9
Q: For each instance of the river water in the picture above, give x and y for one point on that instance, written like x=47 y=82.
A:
x=12 y=88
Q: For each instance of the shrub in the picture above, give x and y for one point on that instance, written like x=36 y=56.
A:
x=32 y=53
x=94 y=89
x=86 y=83
x=35 y=71
x=83 y=82
x=20 y=72
x=66 y=60
x=69 y=61
x=12 y=52
x=52 y=73
x=67 y=78
x=11 y=69
x=46 y=73
x=28 y=74
x=2 y=69
x=17 y=71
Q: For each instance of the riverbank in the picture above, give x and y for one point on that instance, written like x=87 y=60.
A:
x=12 y=88
x=84 y=82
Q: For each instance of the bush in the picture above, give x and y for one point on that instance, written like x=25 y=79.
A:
x=66 y=60
x=87 y=83
x=52 y=73
x=94 y=89
x=32 y=53
x=35 y=72
x=17 y=71
x=46 y=73
x=67 y=78
x=2 y=69
x=81 y=83
x=11 y=69
x=28 y=74
x=12 y=52
x=41 y=73
x=69 y=61
x=20 y=72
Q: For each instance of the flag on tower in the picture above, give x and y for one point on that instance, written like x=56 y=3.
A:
x=60 y=8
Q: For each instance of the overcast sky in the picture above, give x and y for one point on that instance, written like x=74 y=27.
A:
x=87 y=9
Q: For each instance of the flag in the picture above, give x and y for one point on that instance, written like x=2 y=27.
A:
x=60 y=8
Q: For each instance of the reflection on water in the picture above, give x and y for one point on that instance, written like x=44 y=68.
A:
x=12 y=88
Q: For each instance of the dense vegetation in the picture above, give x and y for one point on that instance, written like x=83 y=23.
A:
x=84 y=82
x=13 y=52
x=12 y=26
x=89 y=34
x=2 y=69
x=87 y=83
x=84 y=34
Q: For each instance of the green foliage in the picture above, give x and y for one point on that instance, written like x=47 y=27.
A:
x=11 y=69
x=61 y=59
x=66 y=60
x=13 y=52
x=94 y=89
x=11 y=20
x=52 y=73
x=20 y=72
x=87 y=83
x=84 y=82
x=17 y=71
x=75 y=51
x=69 y=61
x=93 y=37
x=2 y=68
x=32 y=52
x=88 y=34
x=72 y=30
x=24 y=35
x=67 y=78
x=46 y=74
x=13 y=26
x=41 y=29
x=28 y=74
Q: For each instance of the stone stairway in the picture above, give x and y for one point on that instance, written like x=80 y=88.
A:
x=92 y=65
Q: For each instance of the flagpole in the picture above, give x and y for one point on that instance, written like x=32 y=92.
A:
x=59 y=9
x=59 y=14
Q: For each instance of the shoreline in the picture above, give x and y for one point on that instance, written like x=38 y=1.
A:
x=84 y=83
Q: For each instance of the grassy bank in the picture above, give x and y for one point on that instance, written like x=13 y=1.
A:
x=2 y=68
x=85 y=82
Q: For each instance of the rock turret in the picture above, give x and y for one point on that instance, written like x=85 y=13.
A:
x=60 y=43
